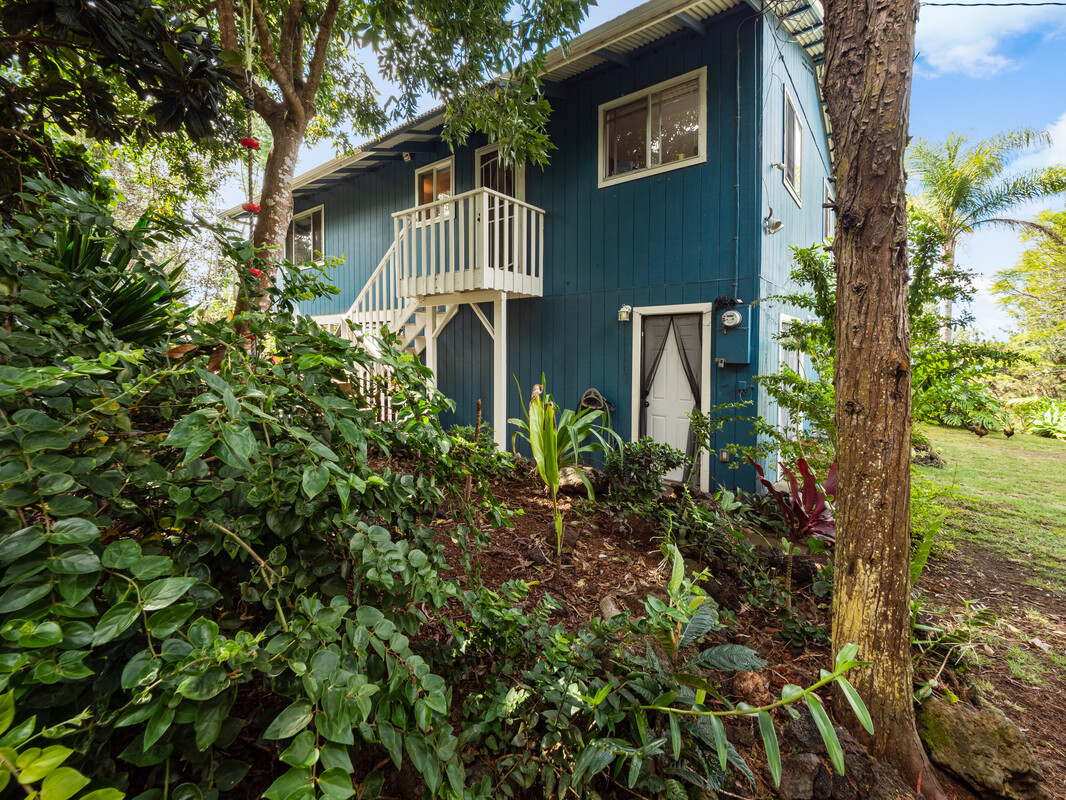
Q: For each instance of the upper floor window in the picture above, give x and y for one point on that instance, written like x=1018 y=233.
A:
x=793 y=155
x=434 y=183
x=305 y=239
x=660 y=128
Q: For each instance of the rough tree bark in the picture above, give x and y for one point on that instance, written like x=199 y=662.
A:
x=287 y=118
x=869 y=55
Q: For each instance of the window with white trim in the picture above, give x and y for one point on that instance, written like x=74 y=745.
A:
x=660 y=128
x=792 y=158
x=829 y=219
x=435 y=183
x=306 y=237
x=789 y=421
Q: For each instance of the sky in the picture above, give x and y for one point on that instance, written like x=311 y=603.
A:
x=979 y=71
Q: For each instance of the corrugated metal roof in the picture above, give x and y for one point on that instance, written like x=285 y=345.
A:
x=625 y=34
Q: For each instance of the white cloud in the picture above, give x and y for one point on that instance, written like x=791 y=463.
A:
x=970 y=41
x=1053 y=155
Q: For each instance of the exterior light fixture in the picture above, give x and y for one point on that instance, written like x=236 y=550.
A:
x=770 y=224
x=624 y=312
x=406 y=158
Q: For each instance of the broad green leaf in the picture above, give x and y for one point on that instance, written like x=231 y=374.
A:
x=54 y=484
x=44 y=634
x=675 y=736
x=121 y=554
x=23 y=593
x=74 y=560
x=290 y=721
x=829 y=736
x=44 y=440
x=856 y=703
x=847 y=653
x=390 y=739
x=730 y=657
x=230 y=773
x=114 y=621
x=62 y=784
x=17 y=544
x=336 y=784
x=162 y=593
x=43 y=763
x=288 y=784
x=773 y=752
x=700 y=625
x=205 y=685
x=315 y=479
x=103 y=794
x=166 y=621
x=7 y=710
x=677 y=570
x=721 y=744
x=67 y=505
x=158 y=725
x=302 y=752
x=74 y=530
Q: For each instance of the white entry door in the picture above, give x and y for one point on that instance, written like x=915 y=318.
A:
x=670 y=401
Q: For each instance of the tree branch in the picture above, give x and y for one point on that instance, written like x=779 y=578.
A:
x=227 y=26
x=277 y=72
x=290 y=34
x=318 y=61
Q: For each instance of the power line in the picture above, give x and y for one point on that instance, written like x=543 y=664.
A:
x=994 y=5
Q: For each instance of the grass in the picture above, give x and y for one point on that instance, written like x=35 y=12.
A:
x=1009 y=496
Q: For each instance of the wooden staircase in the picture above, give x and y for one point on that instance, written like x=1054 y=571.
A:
x=476 y=247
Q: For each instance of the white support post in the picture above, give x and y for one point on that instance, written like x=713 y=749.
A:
x=499 y=371
x=431 y=341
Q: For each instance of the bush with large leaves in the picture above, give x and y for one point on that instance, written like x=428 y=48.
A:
x=177 y=539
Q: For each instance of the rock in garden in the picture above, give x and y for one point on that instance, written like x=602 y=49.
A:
x=797 y=776
x=982 y=747
x=570 y=481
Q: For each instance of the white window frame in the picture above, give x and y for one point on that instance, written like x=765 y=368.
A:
x=520 y=170
x=434 y=167
x=706 y=310
x=829 y=219
x=793 y=183
x=319 y=256
x=785 y=322
x=636 y=174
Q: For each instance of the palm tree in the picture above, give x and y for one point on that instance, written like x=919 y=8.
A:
x=963 y=186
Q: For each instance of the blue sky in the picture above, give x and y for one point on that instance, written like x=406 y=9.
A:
x=979 y=71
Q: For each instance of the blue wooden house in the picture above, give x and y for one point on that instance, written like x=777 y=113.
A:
x=692 y=150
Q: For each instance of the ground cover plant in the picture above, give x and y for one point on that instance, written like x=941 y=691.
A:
x=221 y=570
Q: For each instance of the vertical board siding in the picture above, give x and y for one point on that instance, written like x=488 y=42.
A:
x=670 y=238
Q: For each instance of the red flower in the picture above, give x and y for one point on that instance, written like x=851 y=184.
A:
x=250 y=143
x=251 y=208
x=255 y=272
x=250 y=337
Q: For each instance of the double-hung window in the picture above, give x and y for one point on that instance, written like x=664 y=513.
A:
x=660 y=128
x=829 y=219
x=305 y=238
x=793 y=155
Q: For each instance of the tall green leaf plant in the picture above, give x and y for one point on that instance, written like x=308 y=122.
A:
x=560 y=440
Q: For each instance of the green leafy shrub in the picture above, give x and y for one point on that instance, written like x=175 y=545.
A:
x=636 y=472
x=1049 y=423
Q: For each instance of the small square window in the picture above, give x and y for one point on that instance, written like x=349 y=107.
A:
x=305 y=240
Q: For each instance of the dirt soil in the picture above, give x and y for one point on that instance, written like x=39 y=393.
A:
x=605 y=557
x=1030 y=628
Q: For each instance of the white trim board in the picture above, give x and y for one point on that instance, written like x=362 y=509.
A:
x=707 y=310
x=701 y=158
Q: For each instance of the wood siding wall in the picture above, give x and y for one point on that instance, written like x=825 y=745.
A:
x=666 y=239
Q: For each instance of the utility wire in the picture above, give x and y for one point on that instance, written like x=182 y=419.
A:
x=994 y=5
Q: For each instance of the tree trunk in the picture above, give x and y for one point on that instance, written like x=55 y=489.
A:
x=869 y=54
x=275 y=200
x=946 y=304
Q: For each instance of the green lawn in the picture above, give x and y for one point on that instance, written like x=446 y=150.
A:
x=1010 y=496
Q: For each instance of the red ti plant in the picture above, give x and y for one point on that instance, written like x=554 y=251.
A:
x=805 y=508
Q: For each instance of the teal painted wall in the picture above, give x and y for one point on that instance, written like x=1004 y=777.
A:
x=681 y=237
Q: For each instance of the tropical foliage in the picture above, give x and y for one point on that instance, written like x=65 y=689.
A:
x=215 y=554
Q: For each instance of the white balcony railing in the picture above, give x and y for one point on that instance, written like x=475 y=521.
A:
x=477 y=240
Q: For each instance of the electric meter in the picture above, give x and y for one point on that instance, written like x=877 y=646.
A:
x=731 y=319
